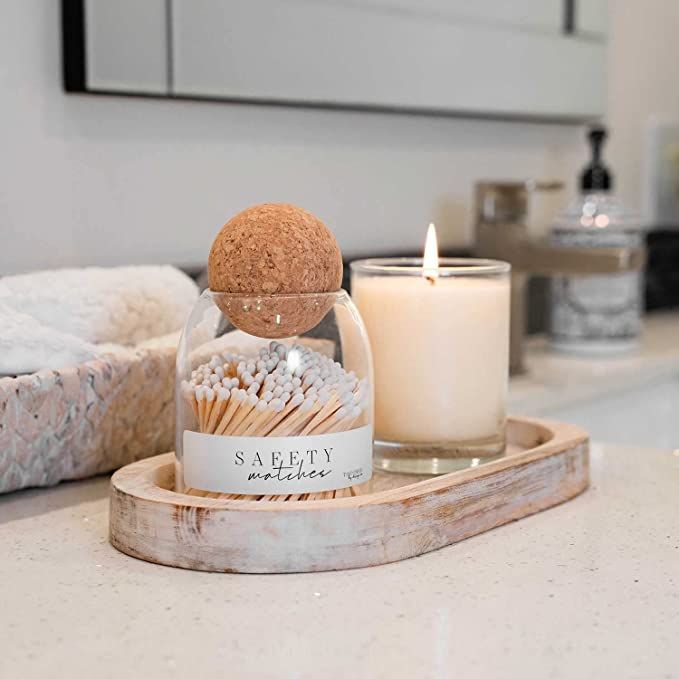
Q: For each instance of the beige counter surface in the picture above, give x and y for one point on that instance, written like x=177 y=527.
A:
x=556 y=380
x=586 y=589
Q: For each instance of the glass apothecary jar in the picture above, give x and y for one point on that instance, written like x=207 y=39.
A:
x=597 y=313
x=274 y=397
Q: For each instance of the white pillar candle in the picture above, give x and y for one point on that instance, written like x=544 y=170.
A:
x=440 y=347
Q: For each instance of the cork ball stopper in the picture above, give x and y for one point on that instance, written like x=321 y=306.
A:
x=269 y=251
x=273 y=249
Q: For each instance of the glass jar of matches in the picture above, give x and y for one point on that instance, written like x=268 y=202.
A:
x=284 y=419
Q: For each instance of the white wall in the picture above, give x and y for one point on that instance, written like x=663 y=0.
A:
x=87 y=179
x=643 y=82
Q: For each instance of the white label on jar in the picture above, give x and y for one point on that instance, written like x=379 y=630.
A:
x=275 y=465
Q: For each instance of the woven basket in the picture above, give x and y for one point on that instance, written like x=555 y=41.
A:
x=87 y=419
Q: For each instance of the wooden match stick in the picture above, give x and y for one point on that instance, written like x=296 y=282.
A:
x=237 y=396
x=218 y=409
x=245 y=407
x=253 y=416
x=284 y=414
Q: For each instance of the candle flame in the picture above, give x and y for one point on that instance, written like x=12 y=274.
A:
x=430 y=262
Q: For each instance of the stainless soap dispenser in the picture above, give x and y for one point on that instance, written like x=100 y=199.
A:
x=598 y=313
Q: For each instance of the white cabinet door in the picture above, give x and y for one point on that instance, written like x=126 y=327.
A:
x=460 y=57
x=126 y=46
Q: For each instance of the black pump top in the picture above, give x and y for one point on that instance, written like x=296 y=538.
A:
x=596 y=176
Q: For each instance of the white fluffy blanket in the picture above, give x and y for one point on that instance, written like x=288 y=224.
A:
x=51 y=319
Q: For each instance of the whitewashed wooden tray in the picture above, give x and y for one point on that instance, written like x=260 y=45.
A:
x=398 y=516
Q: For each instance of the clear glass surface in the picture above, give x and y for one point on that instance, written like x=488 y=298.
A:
x=440 y=345
x=597 y=212
x=596 y=314
x=272 y=354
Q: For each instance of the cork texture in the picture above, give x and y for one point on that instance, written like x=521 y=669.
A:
x=275 y=249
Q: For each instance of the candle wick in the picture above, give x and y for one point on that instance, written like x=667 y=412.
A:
x=431 y=279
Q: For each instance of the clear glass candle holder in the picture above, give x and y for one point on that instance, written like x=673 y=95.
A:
x=440 y=344
x=274 y=397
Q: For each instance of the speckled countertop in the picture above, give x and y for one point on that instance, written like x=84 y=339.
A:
x=586 y=589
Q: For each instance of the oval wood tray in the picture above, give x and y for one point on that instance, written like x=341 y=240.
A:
x=400 y=516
